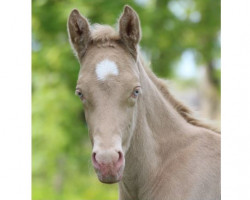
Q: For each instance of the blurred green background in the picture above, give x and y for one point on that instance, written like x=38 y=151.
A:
x=181 y=39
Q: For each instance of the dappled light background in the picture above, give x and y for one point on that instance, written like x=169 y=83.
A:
x=181 y=42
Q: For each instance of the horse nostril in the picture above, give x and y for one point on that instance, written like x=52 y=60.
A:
x=119 y=162
x=120 y=156
x=94 y=156
x=94 y=160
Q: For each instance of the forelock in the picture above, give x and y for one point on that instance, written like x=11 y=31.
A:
x=103 y=33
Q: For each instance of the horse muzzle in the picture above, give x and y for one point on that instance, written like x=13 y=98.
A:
x=109 y=165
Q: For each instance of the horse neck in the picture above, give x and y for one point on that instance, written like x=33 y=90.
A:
x=158 y=127
x=156 y=115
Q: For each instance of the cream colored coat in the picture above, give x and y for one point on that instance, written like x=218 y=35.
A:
x=167 y=154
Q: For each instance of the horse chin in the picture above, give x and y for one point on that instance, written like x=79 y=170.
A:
x=110 y=178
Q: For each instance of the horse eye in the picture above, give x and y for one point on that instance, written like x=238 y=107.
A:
x=136 y=92
x=79 y=94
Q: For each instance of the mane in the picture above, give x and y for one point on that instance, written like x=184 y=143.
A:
x=182 y=109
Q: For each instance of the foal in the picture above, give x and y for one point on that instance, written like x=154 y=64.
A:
x=133 y=119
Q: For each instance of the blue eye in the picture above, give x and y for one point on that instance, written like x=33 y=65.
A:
x=79 y=94
x=136 y=92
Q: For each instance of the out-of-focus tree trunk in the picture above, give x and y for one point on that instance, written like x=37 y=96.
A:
x=59 y=176
x=210 y=97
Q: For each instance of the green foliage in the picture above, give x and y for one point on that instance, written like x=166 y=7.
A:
x=61 y=166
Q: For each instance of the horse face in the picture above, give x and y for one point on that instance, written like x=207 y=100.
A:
x=109 y=87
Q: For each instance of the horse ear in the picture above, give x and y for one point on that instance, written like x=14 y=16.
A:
x=129 y=29
x=79 y=32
